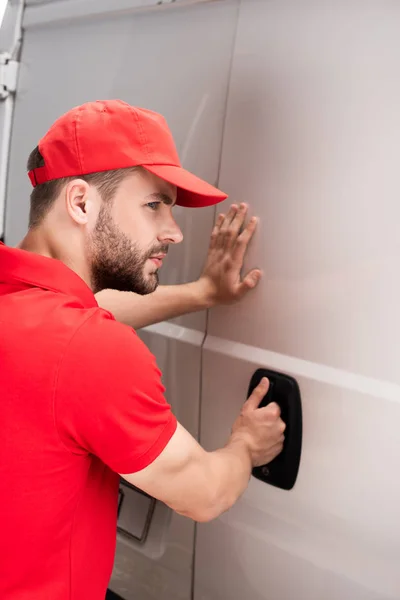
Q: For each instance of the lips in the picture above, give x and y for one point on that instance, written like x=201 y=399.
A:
x=158 y=260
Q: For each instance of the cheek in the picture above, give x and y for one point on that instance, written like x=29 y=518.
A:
x=130 y=220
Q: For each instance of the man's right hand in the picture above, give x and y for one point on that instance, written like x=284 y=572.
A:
x=260 y=428
x=202 y=485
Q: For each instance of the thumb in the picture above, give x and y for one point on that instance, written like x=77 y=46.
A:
x=258 y=394
x=250 y=281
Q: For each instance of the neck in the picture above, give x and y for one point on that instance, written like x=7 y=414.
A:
x=61 y=247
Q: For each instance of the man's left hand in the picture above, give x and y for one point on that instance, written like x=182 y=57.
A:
x=221 y=280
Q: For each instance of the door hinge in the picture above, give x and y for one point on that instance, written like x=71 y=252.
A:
x=8 y=75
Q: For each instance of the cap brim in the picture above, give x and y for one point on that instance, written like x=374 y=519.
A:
x=192 y=191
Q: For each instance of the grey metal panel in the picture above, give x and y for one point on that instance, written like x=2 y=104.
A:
x=135 y=512
x=6 y=114
x=40 y=13
x=126 y=3
x=312 y=141
x=10 y=30
x=10 y=37
x=315 y=104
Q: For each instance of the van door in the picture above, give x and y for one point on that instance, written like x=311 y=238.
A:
x=312 y=142
x=173 y=58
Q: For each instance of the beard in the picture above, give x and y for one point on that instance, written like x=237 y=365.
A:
x=117 y=263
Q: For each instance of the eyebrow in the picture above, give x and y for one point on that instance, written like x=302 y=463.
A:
x=161 y=198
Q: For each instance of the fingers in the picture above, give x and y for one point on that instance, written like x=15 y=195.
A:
x=271 y=412
x=277 y=449
x=228 y=227
x=216 y=230
x=258 y=394
x=229 y=218
x=243 y=241
x=228 y=231
x=221 y=226
x=272 y=452
x=235 y=226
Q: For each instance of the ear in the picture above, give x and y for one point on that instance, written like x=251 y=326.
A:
x=80 y=201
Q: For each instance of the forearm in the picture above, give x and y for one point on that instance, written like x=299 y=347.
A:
x=165 y=303
x=231 y=468
x=197 y=484
x=221 y=479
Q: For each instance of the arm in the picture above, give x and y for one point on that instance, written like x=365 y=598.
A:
x=109 y=402
x=167 y=302
x=202 y=485
x=219 y=283
x=197 y=484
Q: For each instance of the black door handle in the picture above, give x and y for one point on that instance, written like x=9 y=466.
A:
x=284 y=390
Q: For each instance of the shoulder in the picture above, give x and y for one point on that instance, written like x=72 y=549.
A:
x=104 y=355
x=105 y=360
x=99 y=336
x=109 y=397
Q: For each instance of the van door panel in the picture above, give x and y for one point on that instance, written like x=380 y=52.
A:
x=312 y=142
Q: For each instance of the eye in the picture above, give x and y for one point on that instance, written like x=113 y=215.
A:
x=153 y=205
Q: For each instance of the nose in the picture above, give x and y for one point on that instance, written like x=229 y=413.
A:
x=171 y=233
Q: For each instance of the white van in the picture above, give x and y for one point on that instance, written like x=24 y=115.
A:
x=294 y=107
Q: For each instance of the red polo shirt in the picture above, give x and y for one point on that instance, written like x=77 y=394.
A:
x=81 y=400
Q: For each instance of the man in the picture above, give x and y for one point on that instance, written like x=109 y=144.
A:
x=81 y=396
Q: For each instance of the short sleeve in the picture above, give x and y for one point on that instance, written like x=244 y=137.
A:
x=109 y=399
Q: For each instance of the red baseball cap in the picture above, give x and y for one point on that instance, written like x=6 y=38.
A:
x=111 y=134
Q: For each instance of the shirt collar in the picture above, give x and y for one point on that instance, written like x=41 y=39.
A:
x=20 y=266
